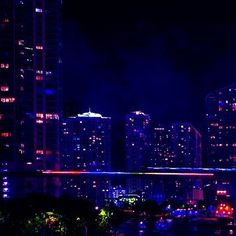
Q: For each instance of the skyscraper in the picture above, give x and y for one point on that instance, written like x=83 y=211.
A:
x=221 y=127
x=186 y=145
x=177 y=145
x=138 y=140
x=87 y=142
x=30 y=83
x=86 y=146
x=163 y=155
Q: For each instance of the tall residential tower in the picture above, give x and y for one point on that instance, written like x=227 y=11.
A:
x=30 y=62
x=87 y=142
x=177 y=145
x=138 y=140
x=221 y=127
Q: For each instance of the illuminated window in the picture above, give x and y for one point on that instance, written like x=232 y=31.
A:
x=52 y=116
x=4 y=65
x=48 y=116
x=39 y=115
x=39 y=47
x=7 y=100
x=39 y=77
x=39 y=10
x=39 y=151
x=6 y=20
x=39 y=72
x=21 y=42
x=4 y=88
x=214 y=124
x=6 y=134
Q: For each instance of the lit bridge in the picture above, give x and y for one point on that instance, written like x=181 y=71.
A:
x=152 y=171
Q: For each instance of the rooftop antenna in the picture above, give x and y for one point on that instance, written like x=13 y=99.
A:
x=89 y=110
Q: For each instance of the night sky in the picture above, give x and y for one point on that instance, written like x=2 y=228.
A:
x=161 y=59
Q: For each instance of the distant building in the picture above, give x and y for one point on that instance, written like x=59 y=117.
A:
x=177 y=145
x=137 y=140
x=163 y=154
x=87 y=142
x=221 y=127
x=186 y=145
x=86 y=146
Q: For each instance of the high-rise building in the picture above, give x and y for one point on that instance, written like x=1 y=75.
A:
x=221 y=127
x=30 y=45
x=87 y=142
x=137 y=140
x=163 y=155
x=176 y=145
x=86 y=146
x=186 y=145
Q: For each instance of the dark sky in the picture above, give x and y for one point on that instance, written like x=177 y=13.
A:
x=162 y=59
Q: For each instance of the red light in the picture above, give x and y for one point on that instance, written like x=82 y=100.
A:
x=6 y=134
x=4 y=88
x=39 y=77
x=221 y=192
x=39 y=151
x=4 y=65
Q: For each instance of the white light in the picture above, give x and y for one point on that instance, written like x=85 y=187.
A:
x=38 y=10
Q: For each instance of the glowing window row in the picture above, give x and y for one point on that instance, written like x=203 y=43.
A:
x=39 y=47
x=4 y=65
x=8 y=100
x=41 y=152
x=38 y=10
x=5 y=134
x=4 y=88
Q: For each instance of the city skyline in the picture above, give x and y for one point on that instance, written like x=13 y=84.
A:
x=145 y=57
x=30 y=72
x=38 y=56
x=160 y=58
x=131 y=107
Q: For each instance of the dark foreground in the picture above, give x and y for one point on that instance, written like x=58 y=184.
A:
x=47 y=216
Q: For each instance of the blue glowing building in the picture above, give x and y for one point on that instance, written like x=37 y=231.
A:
x=176 y=145
x=221 y=127
x=30 y=104
x=87 y=142
x=137 y=140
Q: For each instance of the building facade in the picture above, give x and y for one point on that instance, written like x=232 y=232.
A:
x=87 y=142
x=177 y=145
x=137 y=140
x=221 y=127
x=30 y=104
x=163 y=154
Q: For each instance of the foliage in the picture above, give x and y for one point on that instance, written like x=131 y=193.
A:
x=46 y=222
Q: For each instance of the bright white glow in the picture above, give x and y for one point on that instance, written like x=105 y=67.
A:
x=40 y=10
